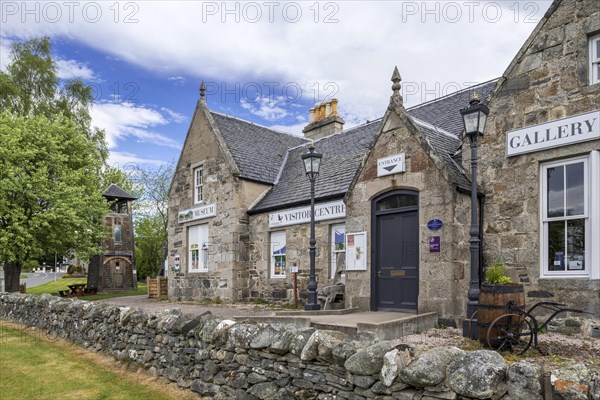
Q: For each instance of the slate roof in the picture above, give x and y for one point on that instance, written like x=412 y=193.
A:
x=258 y=151
x=342 y=154
x=115 y=192
x=445 y=145
x=444 y=111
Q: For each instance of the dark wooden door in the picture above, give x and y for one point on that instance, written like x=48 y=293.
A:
x=396 y=259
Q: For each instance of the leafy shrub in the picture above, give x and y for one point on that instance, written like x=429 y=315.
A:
x=495 y=274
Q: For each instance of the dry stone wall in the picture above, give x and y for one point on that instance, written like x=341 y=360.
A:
x=223 y=359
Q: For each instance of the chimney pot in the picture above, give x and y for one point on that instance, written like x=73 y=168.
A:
x=312 y=115
x=327 y=109
x=334 y=103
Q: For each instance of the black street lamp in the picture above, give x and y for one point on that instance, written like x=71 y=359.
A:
x=312 y=163
x=474 y=119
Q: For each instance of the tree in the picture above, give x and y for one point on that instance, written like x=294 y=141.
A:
x=50 y=165
x=150 y=243
x=151 y=217
x=30 y=87
x=51 y=198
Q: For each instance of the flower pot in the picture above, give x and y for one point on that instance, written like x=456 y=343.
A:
x=494 y=301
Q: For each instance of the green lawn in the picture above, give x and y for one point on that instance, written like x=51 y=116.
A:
x=33 y=367
x=53 y=287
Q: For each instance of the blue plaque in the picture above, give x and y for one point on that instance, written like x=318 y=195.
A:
x=435 y=224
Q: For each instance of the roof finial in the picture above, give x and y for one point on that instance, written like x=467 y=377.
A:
x=202 y=89
x=396 y=99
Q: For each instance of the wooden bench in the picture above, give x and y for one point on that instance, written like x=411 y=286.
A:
x=64 y=293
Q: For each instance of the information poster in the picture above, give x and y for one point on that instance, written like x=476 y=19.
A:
x=356 y=251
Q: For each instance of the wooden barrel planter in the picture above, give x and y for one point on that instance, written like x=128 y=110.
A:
x=494 y=301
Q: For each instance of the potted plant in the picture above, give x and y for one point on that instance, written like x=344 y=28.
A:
x=498 y=293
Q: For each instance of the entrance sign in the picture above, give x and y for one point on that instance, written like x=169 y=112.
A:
x=209 y=210
x=562 y=132
x=391 y=165
x=301 y=215
x=356 y=251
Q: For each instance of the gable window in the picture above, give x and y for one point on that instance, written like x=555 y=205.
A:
x=117 y=231
x=278 y=254
x=198 y=248
x=198 y=185
x=595 y=59
x=338 y=249
x=565 y=218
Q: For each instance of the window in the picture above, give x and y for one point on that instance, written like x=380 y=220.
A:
x=565 y=218
x=278 y=255
x=594 y=59
x=198 y=248
x=197 y=185
x=117 y=231
x=338 y=249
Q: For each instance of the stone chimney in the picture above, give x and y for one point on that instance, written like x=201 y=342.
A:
x=324 y=121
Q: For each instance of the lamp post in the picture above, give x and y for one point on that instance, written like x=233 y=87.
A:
x=312 y=163
x=474 y=119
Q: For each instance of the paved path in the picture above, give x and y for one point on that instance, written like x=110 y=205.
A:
x=155 y=306
x=37 y=278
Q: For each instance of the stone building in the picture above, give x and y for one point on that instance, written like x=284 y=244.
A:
x=540 y=160
x=392 y=199
x=114 y=269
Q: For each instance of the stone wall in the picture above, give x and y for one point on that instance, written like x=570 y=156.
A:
x=224 y=359
x=261 y=284
x=548 y=80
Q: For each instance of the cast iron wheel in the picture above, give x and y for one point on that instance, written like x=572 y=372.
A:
x=510 y=332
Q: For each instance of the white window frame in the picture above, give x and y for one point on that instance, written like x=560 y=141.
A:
x=545 y=220
x=277 y=241
x=198 y=182
x=594 y=63
x=197 y=255
x=334 y=251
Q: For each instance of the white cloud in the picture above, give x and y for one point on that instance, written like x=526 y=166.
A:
x=352 y=43
x=70 y=69
x=120 y=120
x=5 y=49
x=177 y=80
x=268 y=108
x=120 y=159
x=175 y=116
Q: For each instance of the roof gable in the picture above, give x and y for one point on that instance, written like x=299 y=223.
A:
x=115 y=192
x=342 y=155
x=257 y=151
x=444 y=111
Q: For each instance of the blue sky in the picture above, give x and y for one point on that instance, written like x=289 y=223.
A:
x=266 y=62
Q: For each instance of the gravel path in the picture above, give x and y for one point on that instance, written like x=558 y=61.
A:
x=155 y=306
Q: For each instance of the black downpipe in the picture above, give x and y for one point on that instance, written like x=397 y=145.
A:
x=481 y=243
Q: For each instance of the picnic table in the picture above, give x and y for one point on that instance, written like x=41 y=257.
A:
x=76 y=290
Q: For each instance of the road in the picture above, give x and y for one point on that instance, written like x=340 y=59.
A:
x=37 y=278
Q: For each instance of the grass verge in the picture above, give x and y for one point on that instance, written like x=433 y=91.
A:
x=34 y=366
x=53 y=287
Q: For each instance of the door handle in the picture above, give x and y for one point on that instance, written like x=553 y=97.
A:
x=379 y=274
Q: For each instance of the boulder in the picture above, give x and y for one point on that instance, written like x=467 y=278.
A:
x=320 y=345
x=351 y=345
x=429 y=368
x=299 y=341
x=393 y=362
x=368 y=361
x=478 y=375
x=571 y=382
x=524 y=381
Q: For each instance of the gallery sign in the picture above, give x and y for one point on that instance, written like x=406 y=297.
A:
x=562 y=132
x=390 y=165
x=301 y=215
x=209 y=210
